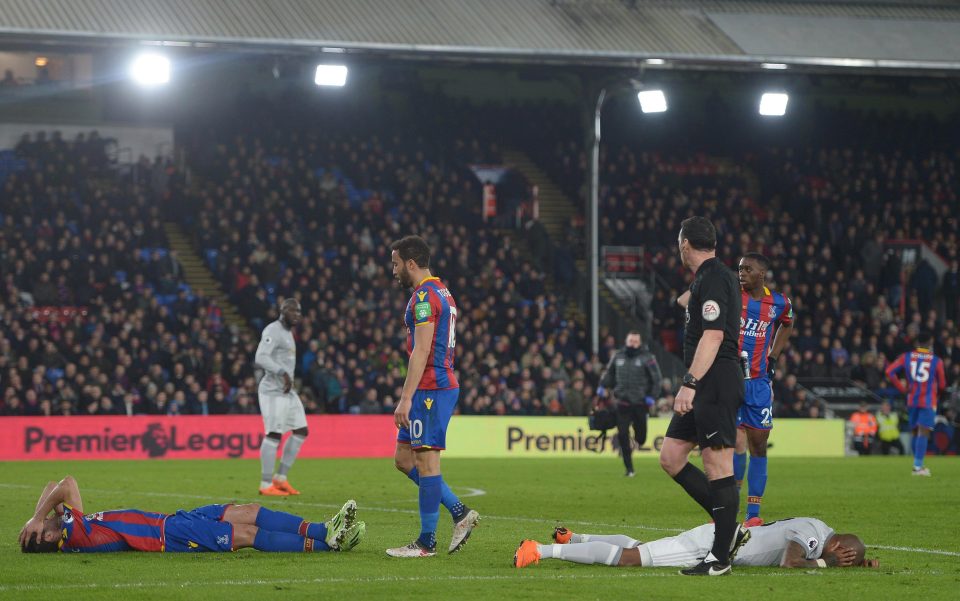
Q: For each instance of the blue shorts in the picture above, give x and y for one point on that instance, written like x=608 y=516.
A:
x=756 y=412
x=430 y=415
x=198 y=530
x=922 y=416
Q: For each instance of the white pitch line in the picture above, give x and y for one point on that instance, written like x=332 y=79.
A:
x=915 y=550
x=509 y=518
x=527 y=575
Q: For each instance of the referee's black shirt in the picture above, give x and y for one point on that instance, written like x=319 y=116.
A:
x=715 y=304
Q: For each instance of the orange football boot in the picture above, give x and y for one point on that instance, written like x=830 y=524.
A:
x=526 y=554
x=284 y=485
x=273 y=491
x=561 y=535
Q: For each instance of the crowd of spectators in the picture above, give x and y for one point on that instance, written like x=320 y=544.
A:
x=829 y=219
x=312 y=217
x=95 y=318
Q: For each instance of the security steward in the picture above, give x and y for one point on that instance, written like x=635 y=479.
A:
x=633 y=376
x=705 y=409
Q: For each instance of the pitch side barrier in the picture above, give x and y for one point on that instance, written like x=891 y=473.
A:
x=239 y=436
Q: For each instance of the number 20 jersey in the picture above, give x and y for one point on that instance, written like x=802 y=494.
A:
x=431 y=302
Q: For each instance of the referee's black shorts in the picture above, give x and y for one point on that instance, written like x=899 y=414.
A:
x=713 y=421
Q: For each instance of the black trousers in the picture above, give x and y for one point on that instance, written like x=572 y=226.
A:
x=886 y=445
x=627 y=415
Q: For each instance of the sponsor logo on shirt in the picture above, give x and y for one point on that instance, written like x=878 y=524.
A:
x=710 y=310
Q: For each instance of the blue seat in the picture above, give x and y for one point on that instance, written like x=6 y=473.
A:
x=54 y=374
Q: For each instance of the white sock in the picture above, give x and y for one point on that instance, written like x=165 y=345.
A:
x=619 y=540
x=549 y=551
x=268 y=459
x=290 y=450
x=588 y=553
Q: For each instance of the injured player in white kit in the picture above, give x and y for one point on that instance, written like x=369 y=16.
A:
x=788 y=543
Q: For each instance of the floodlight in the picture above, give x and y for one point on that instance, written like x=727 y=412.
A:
x=652 y=101
x=331 y=75
x=773 y=104
x=150 y=69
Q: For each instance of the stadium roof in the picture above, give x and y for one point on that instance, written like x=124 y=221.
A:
x=839 y=33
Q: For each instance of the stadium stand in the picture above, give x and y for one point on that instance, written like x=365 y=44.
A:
x=96 y=318
x=313 y=217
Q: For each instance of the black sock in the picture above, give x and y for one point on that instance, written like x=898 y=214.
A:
x=696 y=484
x=726 y=503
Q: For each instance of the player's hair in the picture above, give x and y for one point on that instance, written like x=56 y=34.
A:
x=635 y=333
x=699 y=232
x=38 y=545
x=925 y=337
x=761 y=259
x=415 y=248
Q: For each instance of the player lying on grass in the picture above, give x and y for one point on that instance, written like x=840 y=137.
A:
x=59 y=524
x=788 y=543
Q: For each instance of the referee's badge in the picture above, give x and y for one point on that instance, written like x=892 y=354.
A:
x=710 y=311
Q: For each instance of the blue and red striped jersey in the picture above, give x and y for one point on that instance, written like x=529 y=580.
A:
x=757 y=327
x=925 y=378
x=120 y=530
x=432 y=303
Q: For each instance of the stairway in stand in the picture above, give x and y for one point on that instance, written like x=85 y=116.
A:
x=198 y=276
x=556 y=209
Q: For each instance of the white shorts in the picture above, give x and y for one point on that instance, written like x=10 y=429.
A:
x=684 y=550
x=282 y=412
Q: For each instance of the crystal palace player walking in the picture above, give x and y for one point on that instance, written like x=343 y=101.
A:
x=760 y=346
x=924 y=373
x=705 y=409
x=429 y=396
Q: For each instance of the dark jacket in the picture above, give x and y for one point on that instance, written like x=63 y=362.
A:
x=632 y=379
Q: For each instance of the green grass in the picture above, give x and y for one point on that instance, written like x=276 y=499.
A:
x=874 y=497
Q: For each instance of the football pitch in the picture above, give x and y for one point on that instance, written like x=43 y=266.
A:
x=909 y=523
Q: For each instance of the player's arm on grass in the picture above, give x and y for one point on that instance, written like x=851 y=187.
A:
x=52 y=498
x=795 y=556
x=422 y=341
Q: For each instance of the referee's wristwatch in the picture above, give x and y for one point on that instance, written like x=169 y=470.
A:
x=689 y=381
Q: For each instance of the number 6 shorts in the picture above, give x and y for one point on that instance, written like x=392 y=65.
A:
x=430 y=415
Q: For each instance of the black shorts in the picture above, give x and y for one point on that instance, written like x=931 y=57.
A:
x=713 y=421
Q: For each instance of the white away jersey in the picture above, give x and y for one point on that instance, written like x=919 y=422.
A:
x=276 y=355
x=768 y=542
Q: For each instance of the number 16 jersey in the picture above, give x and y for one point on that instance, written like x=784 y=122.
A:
x=432 y=303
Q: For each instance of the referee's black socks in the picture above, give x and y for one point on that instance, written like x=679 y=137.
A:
x=697 y=486
x=724 y=501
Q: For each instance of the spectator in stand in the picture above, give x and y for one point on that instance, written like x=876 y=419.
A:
x=888 y=429
x=864 y=429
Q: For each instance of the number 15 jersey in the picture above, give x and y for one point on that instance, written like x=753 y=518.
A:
x=432 y=303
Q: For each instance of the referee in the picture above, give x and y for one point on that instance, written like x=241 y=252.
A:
x=705 y=410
